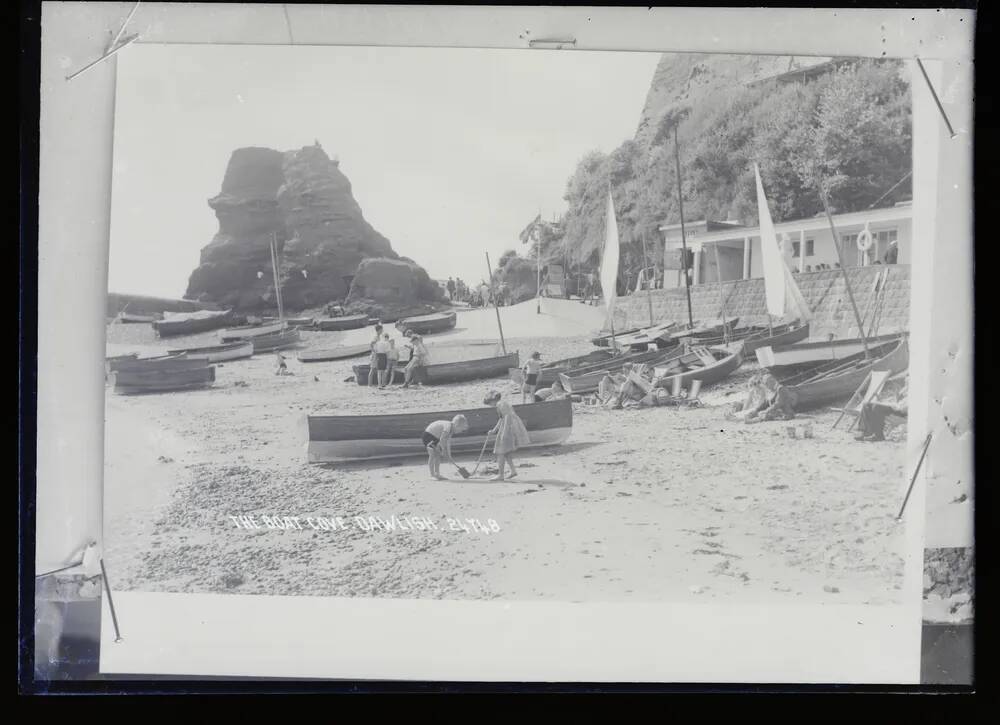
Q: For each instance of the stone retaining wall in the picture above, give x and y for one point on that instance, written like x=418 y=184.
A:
x=824 y=291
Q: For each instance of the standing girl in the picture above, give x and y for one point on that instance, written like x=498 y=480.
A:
x=372 y=362
x=393 y=360
x=511 y=435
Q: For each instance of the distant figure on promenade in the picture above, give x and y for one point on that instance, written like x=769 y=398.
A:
x=484 y=294
x=451 y=288
x=504 y=294
x=892 y=253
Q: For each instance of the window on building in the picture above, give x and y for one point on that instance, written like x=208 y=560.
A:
x=795 y=250
x=809 y=247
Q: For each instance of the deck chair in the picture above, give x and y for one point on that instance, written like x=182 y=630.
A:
x=875 y=380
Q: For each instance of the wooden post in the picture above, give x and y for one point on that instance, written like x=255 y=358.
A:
x=843 y=267
x=680 y=207
x=489 y=268
x=718 y=276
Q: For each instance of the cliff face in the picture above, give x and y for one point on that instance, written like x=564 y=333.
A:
x=686 y=79
x=304 y=199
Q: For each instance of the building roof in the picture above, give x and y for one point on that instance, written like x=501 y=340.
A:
x=898 y=212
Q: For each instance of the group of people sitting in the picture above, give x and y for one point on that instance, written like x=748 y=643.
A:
x=385 y=359
x=767 y=399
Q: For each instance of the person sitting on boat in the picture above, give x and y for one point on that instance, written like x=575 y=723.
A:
x=437 y=440
x=532 y=369
x=282 y=368
x=393 y=360
x=555 y=392
x=511 y=434
x=418 y=359
x=372 y=362
x=873 y=415
x=381 y=350
x=780 y=402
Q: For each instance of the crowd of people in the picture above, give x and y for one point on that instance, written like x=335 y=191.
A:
x=387 y=362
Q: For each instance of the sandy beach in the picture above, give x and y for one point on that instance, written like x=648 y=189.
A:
x=639 y=505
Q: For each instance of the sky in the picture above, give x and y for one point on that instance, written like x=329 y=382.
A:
x=450 y=152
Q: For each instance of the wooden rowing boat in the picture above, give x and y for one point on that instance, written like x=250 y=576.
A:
x=449 y=372
x=333 y=353
x=551 y=371
x=132 y=382
x=248 y=332
x=709 y=365
x=705 y=332
x=346 y=322
x=602 y=338
x=778 y=355
x=777 y=335
x=189 y=323
x=277 y=341
x=837 y=380
x=645 y=337
x=586 y=379
x=428 y=324
x=342 y=438
x=219 y=353
x=160 y=362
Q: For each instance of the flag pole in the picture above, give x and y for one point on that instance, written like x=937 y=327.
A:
x=489 y=268
x=680 y=206
x=843 y=266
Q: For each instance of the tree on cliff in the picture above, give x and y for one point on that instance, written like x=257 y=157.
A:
x=851 y=126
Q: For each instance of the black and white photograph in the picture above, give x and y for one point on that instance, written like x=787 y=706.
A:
x=519 y=325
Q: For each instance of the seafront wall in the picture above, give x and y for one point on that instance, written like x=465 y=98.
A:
x=825 y=293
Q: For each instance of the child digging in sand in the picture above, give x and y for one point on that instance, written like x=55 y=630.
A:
x=437 y=441
x=511 y=435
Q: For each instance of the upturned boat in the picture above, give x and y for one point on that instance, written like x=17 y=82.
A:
x=334 y=324
x=248 y=332
x=428 y=324
x=132 y=382
x=333 y=353
x=189 y=323
x=453 y=371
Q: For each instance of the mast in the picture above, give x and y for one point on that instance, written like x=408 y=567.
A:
x=680 y=205
x=538 y=264
x=489 y=269
x=277 y=284
x=843 y=266
x=722 y=290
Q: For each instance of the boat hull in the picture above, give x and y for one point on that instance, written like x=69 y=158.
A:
x=336 y=353
x=551 y=372
x=428 y=324
x=174 y=328
x=838 y=380
x=293 y=321
x=336 y=324
x=586 y=380
x=279 y=341
x=727 y=361
x=162 y=363
x=218 y=353
x=787 y=336
x=786 y=355
x=238 y=334
x=133 y=382
x=337 y=439
x=450 y=372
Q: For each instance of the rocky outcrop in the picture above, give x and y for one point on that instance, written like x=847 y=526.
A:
x=392 y=288
x=304 y=200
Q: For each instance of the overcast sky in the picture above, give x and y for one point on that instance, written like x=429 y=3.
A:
x=449 y=152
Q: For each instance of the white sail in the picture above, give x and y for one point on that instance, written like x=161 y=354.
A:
x=794 y=300
x=774 y=266
x=609 y=260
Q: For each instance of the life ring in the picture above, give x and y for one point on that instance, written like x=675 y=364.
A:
x=865 y=240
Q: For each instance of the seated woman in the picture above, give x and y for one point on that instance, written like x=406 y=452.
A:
x=779 y=402
x=872 y=416
x=555 y=392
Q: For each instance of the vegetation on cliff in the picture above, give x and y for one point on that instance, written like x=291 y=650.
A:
x=850 y=127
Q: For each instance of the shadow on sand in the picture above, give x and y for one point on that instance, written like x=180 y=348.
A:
x=520 y=480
